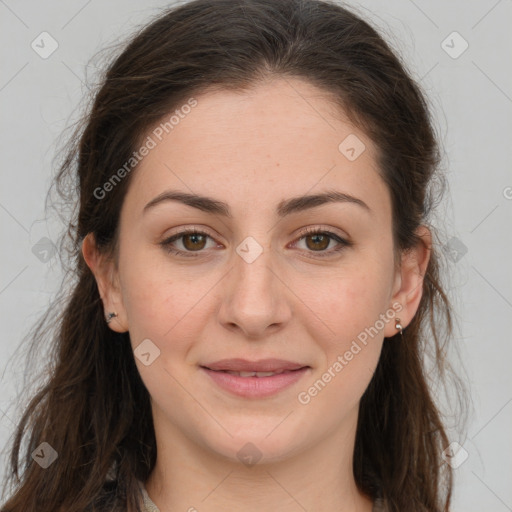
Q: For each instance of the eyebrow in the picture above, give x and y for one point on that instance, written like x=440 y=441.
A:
x=284 y=208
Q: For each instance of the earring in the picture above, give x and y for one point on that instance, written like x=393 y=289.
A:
x=110 y=316
x=398 y=326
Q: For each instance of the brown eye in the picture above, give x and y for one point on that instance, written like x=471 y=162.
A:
x=194 y=241
x=319 y=242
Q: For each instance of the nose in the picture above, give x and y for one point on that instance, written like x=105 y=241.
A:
x=255 y=296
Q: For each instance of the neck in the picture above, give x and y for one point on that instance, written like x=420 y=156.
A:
x=189 y=477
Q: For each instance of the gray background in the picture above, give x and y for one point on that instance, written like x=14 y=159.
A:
x=471 y=93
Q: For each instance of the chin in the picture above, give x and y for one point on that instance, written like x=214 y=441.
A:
x=253 y=441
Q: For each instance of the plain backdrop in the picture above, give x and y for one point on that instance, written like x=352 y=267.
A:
x=459 y=51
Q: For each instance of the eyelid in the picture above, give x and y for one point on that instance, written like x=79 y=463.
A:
x=194 y=229
x=311 y=230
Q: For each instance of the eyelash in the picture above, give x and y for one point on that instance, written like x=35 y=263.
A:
x=167 y=243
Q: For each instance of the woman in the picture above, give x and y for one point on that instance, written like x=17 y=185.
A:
x=256 y=280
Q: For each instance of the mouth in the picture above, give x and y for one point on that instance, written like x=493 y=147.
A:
x=261 y=366
x=253 y=374
x=258 y=379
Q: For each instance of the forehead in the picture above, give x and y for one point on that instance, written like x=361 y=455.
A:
x=257 y=146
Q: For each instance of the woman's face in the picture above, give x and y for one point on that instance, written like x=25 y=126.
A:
x=253 y=284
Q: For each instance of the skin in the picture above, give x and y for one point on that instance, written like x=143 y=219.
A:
x=253 y=149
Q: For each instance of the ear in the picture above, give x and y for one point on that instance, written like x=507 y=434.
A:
x=107 y=278
x=408 y=284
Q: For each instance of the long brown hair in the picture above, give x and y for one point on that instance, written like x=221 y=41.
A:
x=93 y=408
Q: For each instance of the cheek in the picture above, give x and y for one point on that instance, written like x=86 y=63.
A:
x=147 y=287
x=147 y=303
x=162 y=304
x=351 y=305
x=351 y=347
x=350 y=300
x=143 y=295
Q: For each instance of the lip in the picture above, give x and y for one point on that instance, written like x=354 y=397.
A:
x=244 y=365
x=255 y=387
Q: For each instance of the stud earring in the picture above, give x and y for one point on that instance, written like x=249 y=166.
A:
x=398 y=326
x=110 y=316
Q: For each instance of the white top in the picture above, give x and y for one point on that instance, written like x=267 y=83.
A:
x=149 y=506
